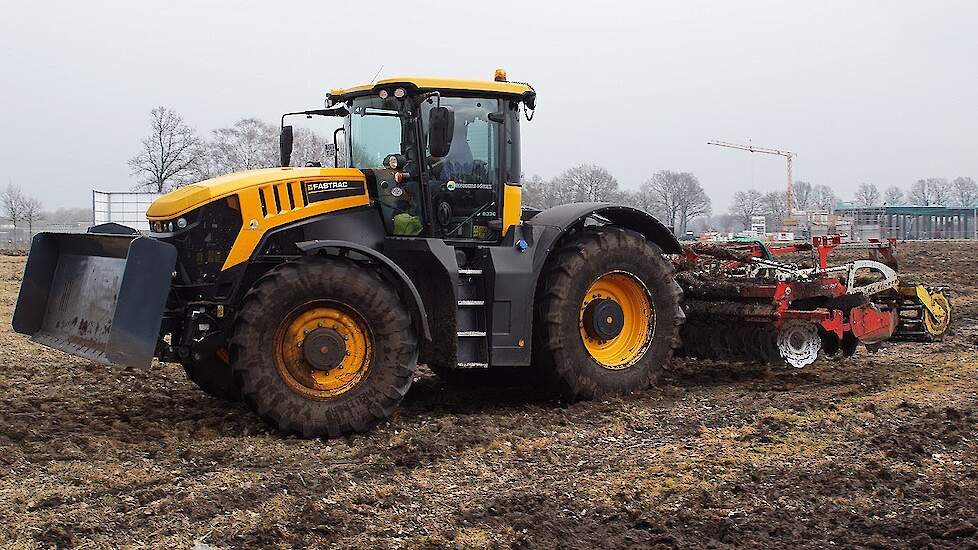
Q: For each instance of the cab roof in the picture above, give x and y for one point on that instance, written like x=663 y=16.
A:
x=432 y=83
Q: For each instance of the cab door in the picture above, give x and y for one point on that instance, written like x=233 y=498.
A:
x=465 y=187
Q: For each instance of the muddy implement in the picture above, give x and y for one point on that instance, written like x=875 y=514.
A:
x=743 y=304
x=924 y=312
x=99 y=296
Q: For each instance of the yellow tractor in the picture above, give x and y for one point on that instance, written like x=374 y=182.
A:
x=313 y=293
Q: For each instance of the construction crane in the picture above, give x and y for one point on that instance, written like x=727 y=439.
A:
x=788 y=155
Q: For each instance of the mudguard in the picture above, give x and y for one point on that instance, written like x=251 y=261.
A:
x=418 y=313
x=566 y=216
x=96 y=295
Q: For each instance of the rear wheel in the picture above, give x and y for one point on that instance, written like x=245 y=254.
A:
x=213 y=375
x=608 y=314
x=324 y=347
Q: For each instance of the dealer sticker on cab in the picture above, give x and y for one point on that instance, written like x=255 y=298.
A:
x=325 y=190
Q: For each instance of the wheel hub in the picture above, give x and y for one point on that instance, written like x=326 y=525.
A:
x=617 y=320
x=799 y=343
x=603 y=319
x=324 y=349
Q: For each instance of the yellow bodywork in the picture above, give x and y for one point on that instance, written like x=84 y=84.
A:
x=430 y=83
x=512 y=206
x=248 y=188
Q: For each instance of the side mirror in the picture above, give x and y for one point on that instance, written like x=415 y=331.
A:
x=285 y=145
x=441 y=130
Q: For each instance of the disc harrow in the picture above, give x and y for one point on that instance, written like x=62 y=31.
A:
x=743 y=304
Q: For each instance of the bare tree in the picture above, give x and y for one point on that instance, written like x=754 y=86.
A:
x=12 y=203
x=250 y=143
x=307 y=146
x=802 y=194
x=588 y=183
x=170 y=153
x=31 y=213
x=541 y=193
x=747 y=204
x=893 y=196
x=694 y=201
x=775 y=203
x=965 y=192
x=823 y=198
x=930 y=191
x=677 y=197
x=867 y=195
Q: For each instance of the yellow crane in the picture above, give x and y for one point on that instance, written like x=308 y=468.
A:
x=788 y=155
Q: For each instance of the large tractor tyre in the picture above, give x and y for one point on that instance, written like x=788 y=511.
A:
x=213 y=375
x=608 y=314
x=324 y=347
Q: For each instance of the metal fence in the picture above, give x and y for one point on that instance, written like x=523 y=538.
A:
x=124 y=208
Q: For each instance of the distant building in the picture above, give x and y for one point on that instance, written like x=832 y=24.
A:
x=909 y=222
x=758 y=224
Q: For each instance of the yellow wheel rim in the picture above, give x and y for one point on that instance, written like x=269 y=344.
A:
x=937 y=325
x=301 y=328
x=638 y=322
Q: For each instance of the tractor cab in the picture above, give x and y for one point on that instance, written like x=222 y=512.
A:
x=441 y=157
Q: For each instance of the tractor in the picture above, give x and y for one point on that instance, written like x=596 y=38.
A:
x=313 y=293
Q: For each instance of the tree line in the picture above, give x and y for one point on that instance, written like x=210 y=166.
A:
x=676 y=198
x=961 y=191
x=173 y=154
x=20 y=207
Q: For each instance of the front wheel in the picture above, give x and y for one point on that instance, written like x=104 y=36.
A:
x=213 y=376
x=324 y=348
x=608 y=314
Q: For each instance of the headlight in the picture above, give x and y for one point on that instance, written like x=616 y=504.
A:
x=181 y=222
x=383 y=94
x=399 y=93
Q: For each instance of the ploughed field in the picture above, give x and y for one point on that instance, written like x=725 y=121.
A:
x=878 y=450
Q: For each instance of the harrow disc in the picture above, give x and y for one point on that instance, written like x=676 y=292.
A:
x=799 y=343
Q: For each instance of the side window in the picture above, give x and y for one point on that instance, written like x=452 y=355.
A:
x=373 y=138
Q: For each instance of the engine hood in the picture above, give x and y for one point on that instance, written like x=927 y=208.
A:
x=187 y=198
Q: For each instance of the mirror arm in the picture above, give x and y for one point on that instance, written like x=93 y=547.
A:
x=336 y=147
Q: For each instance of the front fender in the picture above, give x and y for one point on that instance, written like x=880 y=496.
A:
x=405 y=287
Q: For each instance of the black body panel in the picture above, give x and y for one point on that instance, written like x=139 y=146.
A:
x=360 y=225
x=516 y=272
x=432 y=266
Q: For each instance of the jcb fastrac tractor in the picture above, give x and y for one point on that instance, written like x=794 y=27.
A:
x=313 y=293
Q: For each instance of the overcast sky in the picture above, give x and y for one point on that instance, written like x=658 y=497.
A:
x=879 y=92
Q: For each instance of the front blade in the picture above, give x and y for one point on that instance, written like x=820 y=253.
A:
x=98 y=296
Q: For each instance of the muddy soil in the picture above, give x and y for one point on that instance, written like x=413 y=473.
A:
x=876 y=451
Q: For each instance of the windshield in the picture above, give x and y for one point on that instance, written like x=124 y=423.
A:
x=376 y=128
